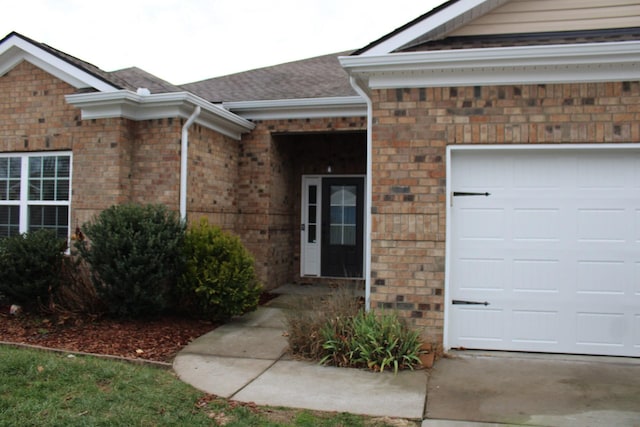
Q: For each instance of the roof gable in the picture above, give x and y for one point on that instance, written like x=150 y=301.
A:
x=537 y=16
x=477 y=20
x=16 y=48
x=434 y=24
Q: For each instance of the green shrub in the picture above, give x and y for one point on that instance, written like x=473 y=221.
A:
x=377 y=342
x=29 y=268
x=135 y=255
x=219 y=280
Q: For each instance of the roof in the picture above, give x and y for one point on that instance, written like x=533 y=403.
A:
x=318 y=77
x=135 y=78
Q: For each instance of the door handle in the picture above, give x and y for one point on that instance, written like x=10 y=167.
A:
x=302 y=227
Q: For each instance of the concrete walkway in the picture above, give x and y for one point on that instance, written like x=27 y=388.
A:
x=247 y=360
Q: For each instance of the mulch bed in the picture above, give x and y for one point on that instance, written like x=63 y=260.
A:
x=157 y=339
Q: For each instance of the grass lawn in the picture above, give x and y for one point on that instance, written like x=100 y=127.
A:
x=49 y=389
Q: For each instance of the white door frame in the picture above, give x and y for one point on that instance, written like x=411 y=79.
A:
x=503 y=147
x=310 y=253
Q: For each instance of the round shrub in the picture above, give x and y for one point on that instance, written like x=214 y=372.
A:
x=29 y=268
x=219 y=280
x=135 y=255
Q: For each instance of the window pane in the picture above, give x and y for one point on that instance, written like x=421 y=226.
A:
x=62 y=191
x=49 y=167
x=63 y=167
x=3 y=189
x=15 y=165
x=350 y=215
x=311 y=235
x=9 y=220
x=336 y=215
x=48 y=189
x=14 y=189
x=313 y=194
x=4 y=167
x=349 y=192
x=35 y=167
x=312 y=214
x=51 y=218
x=336 y=195
x=335 y=235
x=34 y=189
x=349 y=235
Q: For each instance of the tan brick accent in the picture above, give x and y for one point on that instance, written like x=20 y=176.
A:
x=413 y=127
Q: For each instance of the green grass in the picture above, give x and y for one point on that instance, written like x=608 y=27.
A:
x=50 y=389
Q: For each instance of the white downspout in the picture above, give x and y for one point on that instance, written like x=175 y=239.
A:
x=368 y=193
x=184 y=157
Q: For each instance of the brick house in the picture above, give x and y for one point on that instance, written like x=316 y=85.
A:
x=478 y=169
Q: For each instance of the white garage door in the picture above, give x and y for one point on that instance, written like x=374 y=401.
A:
x=553 y=249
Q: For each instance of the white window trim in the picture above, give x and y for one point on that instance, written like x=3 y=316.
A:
x=24 y=201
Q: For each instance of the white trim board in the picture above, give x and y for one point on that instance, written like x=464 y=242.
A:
x=130 y=105
x=571 y=63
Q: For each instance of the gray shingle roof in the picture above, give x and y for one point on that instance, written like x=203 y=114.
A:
x=136 y=78
x=317 y=77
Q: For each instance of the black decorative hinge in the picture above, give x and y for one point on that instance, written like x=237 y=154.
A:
x=462 y=302
x=464 y=193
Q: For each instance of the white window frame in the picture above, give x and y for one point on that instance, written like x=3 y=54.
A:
x=24 y=201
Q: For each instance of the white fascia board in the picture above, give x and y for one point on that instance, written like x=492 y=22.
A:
x=130 y=105
x=301 y=108
x=588 y=62
x=15 y=50
x=443 y=17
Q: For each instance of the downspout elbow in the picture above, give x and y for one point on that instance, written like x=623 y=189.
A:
x=184 y=162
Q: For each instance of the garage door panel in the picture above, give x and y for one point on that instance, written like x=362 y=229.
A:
x=603 y=277
x=554 y=249
x=597 y=171
x=602 y=225
x=481 y=224
x=537 y=224
x=480 y=325
x=537 y=275
x=535 y=327
x=601 y=329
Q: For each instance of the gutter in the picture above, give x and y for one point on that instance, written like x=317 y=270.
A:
x=368 y=192
x=184 y=169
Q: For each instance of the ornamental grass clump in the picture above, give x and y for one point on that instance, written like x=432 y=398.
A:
x=371 y=340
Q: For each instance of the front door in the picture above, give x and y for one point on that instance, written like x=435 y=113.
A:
x=333 y=226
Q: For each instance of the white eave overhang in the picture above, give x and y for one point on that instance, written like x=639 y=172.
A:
x=15 y=50
x=130 y=105
x=302 y=108
x=567 y=63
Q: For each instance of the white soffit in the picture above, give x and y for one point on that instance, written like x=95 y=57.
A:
x=588 y=62
x=435 y=25
x=303 y=108
x=15 y=49
x=130 y=105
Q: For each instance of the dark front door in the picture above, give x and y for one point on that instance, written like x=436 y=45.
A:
x=342 y=227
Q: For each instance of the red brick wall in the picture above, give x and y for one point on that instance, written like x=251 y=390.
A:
x=411 y=130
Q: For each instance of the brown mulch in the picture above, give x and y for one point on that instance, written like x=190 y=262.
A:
x=150 y=339
x=155 y=339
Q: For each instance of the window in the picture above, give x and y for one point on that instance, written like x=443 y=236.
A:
x=343 y=215
x=35 y=193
